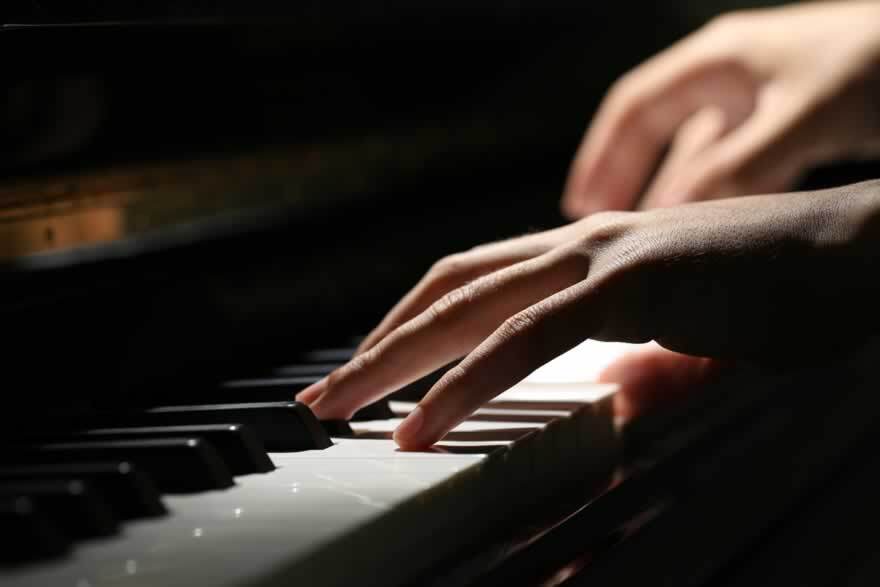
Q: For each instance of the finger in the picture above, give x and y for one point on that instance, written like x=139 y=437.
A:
x=457 y=270
x=653 y=378
x=447 y=330
x=698 y=133
x=763 y=155
x=520 y=345
x=309 y=394
x=428 y=289
x=639 y=117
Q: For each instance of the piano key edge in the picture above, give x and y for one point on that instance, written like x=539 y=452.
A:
x=383 y=550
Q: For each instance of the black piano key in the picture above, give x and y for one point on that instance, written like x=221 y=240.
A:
x=355 y=340
x=237 y=444
x=178 y=465
x=337 y=428
x=328 y=355
x=129 y=491
x=72 y=504
x=276 y=389
x=378 y=410
x=240 y=391
x=316 y=370
x=27 y=534
x=282 y=426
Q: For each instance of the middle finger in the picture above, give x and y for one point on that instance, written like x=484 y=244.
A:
x=447 y=330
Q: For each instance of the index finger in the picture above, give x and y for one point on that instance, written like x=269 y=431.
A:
x=456 y=270
x=449 y=329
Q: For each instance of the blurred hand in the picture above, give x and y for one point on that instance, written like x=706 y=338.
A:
x=743 y=106
x=767 y=278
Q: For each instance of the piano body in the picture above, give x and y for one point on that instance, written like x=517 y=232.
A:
x=197 y=217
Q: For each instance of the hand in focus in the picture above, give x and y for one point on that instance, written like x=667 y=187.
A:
x=765 y=278
x=743 y=106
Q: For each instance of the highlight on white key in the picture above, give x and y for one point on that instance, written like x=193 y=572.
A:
x=583 y=363
x=571 y=377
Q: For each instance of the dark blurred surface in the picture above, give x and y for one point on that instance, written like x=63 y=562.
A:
x=164 y=149
x=201 y=189
x=109 y=81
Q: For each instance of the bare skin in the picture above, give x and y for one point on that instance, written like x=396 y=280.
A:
x=751 y=278
x=744 y=105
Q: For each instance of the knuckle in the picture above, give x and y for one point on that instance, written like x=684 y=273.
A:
x=628 y=260
x=450 y=303
x=357 y=365
x=531 y=341
x=364 y=360
x=606 y=228
x=455 y=375
x=626 y=99
x=520 y=323
x=624 y=87
x=449 y=265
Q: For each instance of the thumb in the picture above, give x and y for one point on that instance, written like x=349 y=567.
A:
x=653 y=378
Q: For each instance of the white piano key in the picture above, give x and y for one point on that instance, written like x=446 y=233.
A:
x=467 y=426
x=361 y=511
x=583 y=363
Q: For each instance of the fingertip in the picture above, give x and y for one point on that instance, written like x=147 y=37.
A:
x=409 y=435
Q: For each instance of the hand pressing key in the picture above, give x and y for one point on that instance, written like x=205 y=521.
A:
x=774 y=279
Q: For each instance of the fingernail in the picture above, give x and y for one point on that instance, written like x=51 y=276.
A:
x=409 y=428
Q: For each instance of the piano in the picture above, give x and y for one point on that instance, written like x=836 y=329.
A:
x=199 y=214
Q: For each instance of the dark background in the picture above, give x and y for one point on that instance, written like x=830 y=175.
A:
x=463 y=118
x=433 y=127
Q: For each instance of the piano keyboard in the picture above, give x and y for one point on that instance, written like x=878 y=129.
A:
x=85 y=511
